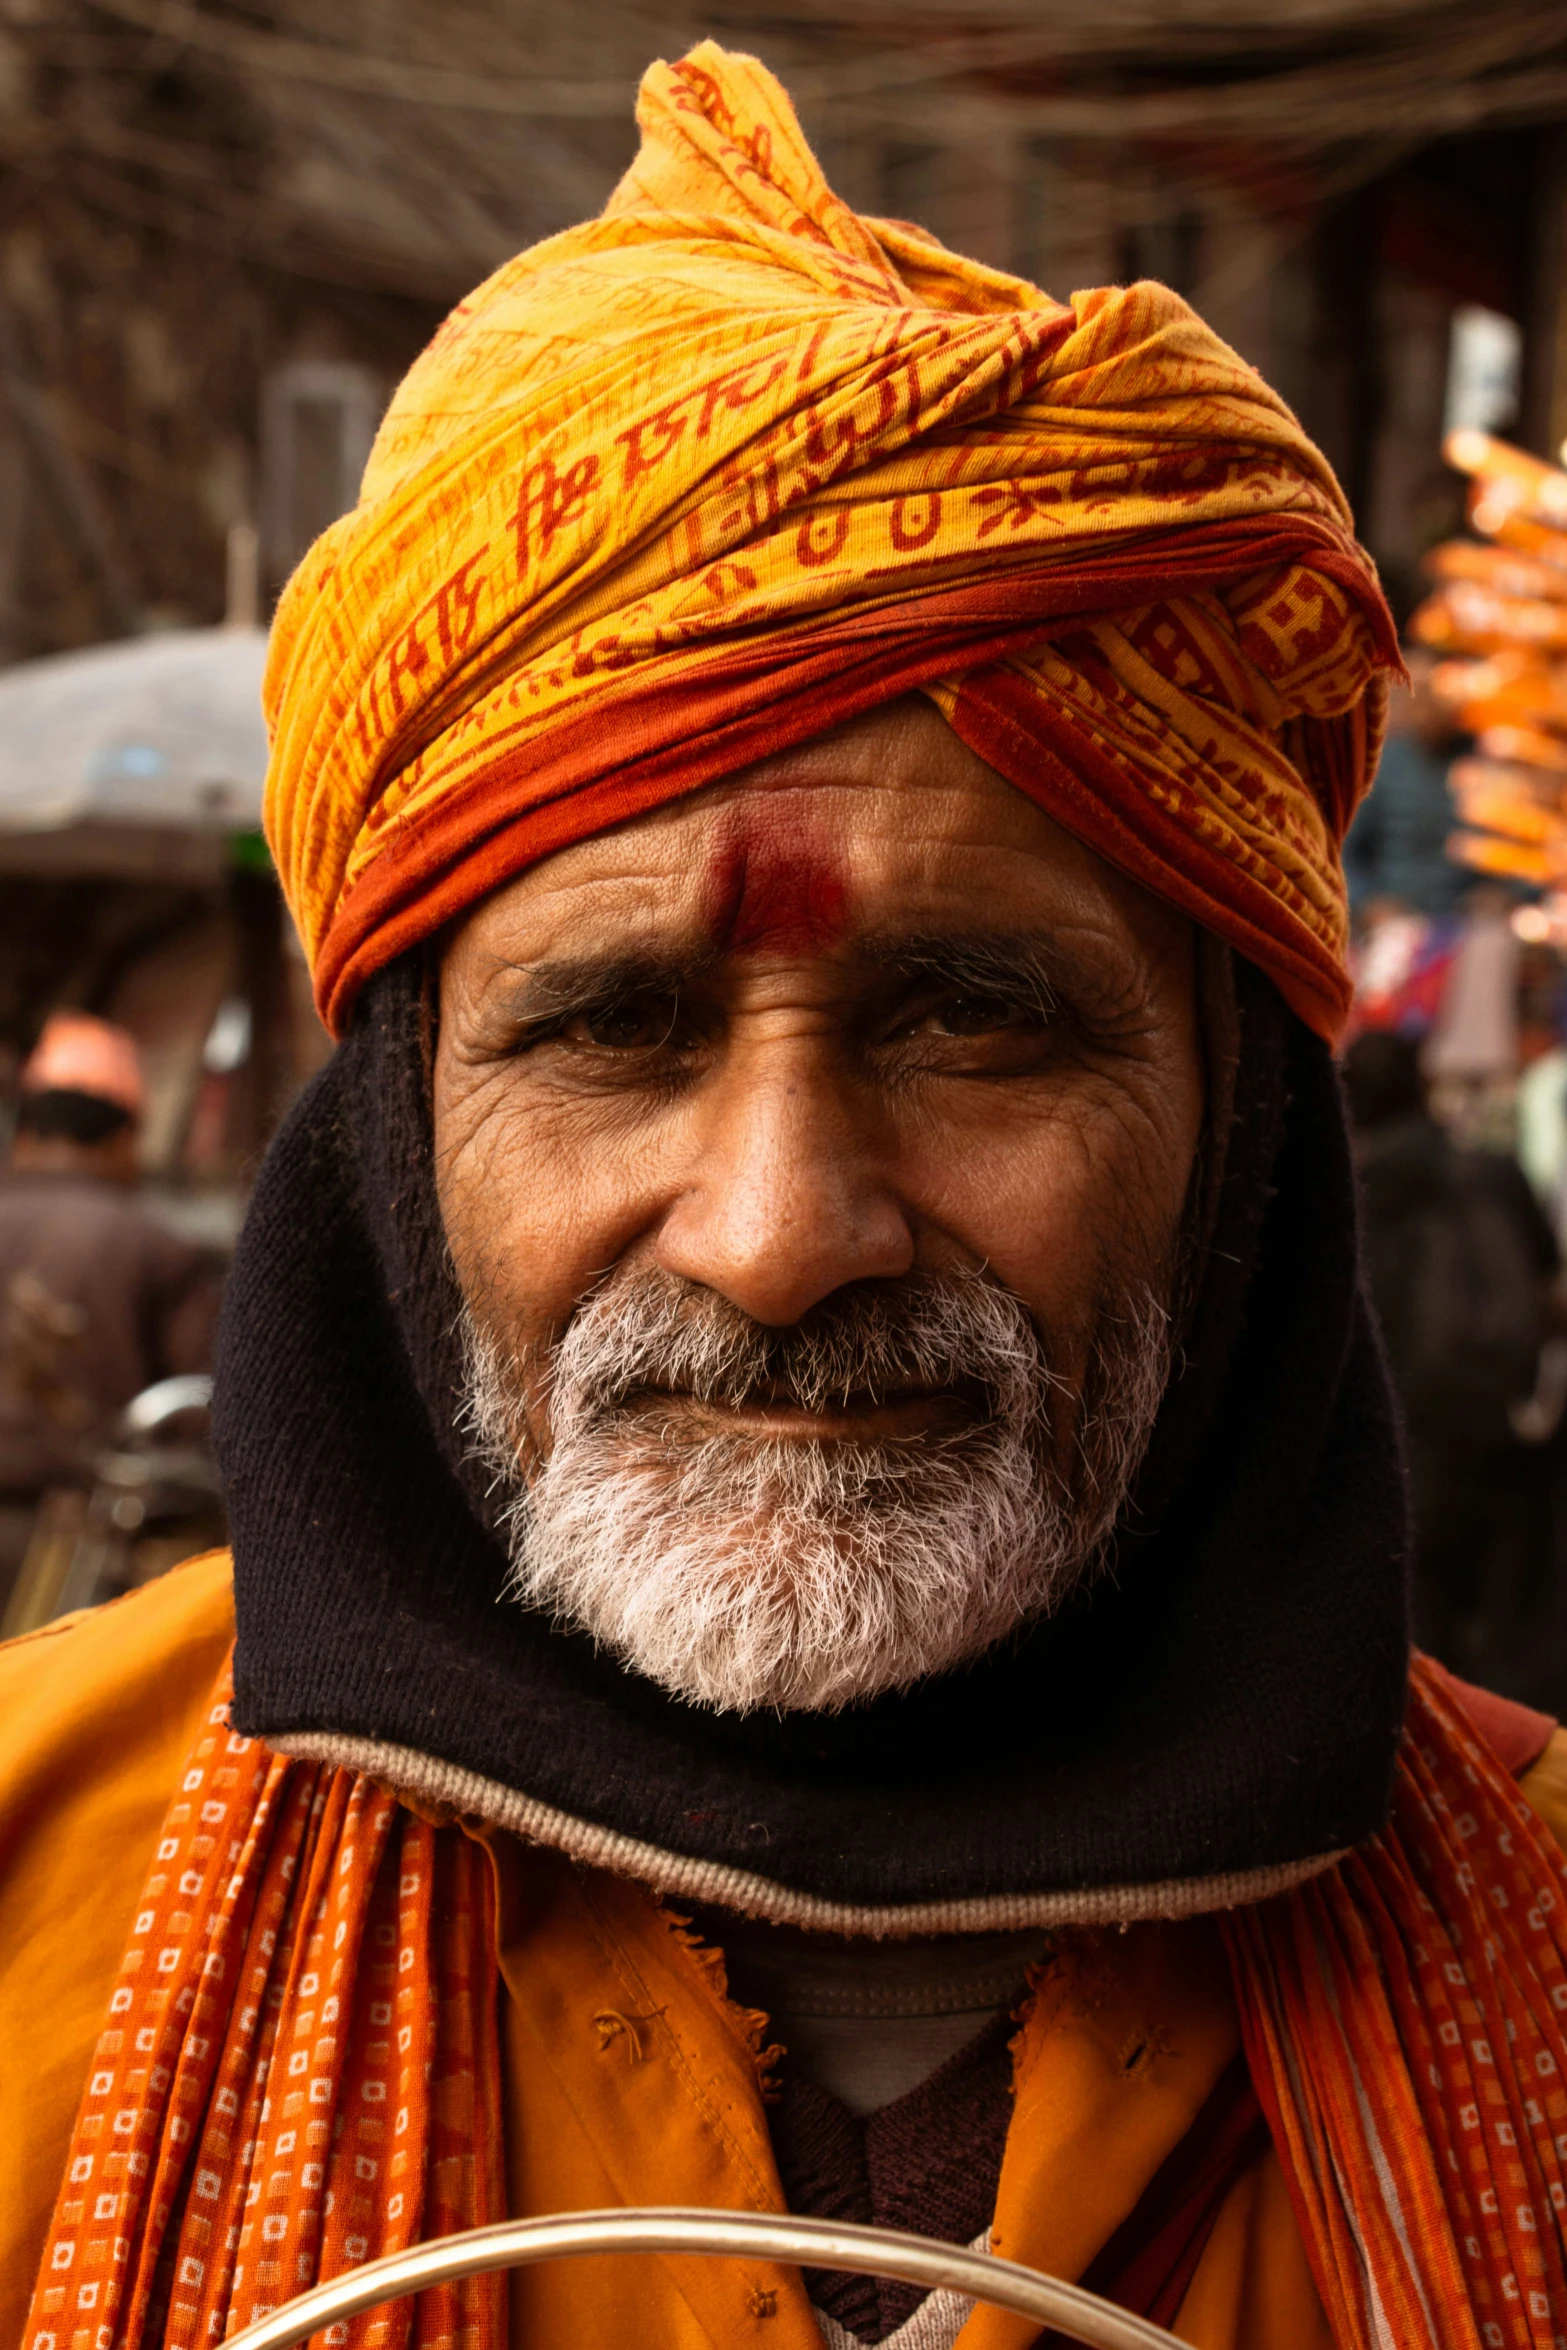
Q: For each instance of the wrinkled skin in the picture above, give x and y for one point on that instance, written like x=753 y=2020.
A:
x=860 y=1010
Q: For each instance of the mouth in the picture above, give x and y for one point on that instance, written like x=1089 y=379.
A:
x=771 y=1415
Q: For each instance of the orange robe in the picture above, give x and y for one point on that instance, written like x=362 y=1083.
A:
x=629 y=2078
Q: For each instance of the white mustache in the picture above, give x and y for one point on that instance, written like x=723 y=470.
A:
x=741 y=1572
x=925 y=1334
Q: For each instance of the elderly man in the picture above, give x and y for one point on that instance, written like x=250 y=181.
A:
x=818 y=1542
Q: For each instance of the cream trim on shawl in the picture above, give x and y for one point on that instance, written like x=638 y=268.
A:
x=445 y=1788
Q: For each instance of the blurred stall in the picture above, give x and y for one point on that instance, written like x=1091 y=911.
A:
x=134 y=884
x=135 y=889
x=1496 y=619
x=1457 y=1078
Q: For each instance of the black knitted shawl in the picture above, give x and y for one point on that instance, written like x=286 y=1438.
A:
x=1216 y=1712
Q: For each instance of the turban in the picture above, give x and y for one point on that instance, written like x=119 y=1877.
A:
x=720 y=469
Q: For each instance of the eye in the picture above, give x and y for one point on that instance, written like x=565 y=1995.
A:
x=979 y=1015
x=635 y=1024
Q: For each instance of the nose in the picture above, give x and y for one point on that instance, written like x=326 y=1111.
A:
x=786 y=1200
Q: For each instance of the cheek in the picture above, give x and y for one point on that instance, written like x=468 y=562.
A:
x=535 y=1204
x=1067 y=1197
x=508 y=1217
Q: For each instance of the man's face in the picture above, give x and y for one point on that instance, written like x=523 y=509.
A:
x=813 y=1155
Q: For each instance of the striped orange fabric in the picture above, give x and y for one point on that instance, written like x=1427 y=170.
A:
x=298 y=2072
x=713 y=472
x=1405 y=2018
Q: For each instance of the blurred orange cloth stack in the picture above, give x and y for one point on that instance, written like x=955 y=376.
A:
x=717 y=470
x=1499 y=615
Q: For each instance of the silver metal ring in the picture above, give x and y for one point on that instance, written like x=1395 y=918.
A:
x=754 y=2235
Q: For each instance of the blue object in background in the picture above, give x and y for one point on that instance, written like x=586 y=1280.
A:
x=1397 y=845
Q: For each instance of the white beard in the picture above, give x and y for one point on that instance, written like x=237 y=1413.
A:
x=741 y=1572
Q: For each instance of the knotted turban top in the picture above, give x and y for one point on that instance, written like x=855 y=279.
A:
x=714 y=472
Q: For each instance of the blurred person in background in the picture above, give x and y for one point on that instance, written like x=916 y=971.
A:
x=1474 y=1050
x=1462 y=1264
x=1542 y=1087
x=97 y=1299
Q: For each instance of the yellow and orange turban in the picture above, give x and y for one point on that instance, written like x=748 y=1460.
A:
x=717 y=470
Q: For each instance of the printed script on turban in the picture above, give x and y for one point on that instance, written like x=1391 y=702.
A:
x=712 y=473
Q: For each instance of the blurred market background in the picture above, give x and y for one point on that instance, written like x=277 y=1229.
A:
x=225 y=230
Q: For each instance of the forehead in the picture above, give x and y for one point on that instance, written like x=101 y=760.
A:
x=890 y=823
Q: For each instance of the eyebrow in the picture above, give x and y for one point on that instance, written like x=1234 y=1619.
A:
x=541 y=992
x=1030 y=964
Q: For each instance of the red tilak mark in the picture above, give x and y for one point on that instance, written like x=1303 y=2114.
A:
x=775 y=894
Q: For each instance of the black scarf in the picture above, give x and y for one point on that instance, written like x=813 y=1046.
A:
x=1226 y=1698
